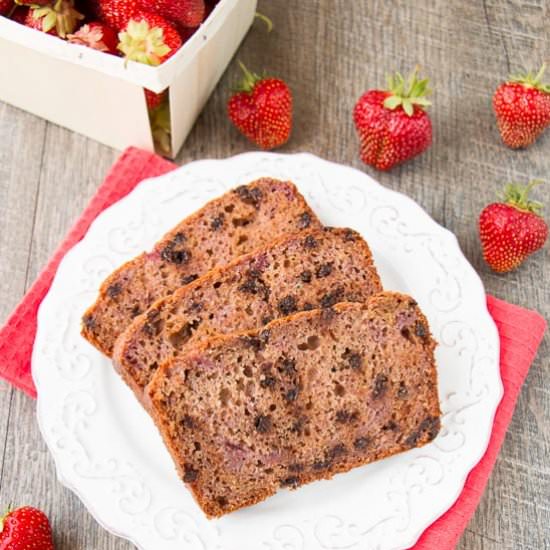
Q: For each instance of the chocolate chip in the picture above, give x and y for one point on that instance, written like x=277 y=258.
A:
x=336 y=451
x=320 y=465
x=222 y=501
x=412 y=439
x=332 y=298
x=136 y=310
x=189 y=422
x=189 y=279
x=264 y=336
x=413 y=303
x=390 y=426
x=89 y=321
x=308 y=307
x=361 y=443
x=310 y=242
x=114 y=290
x=380 y=386
x=179 y=238
x=420 y=329
x=254 y=285
x=349 y=235
x=402 y=392
x=288 y=366
x=342 y=416
x=249 y=195
x=252 y=342
x=217 y=222
x=324 y=271
x=262 y=424
x=291 y=481
x=292 y=394
x=304 y=220
x=287 y=305
x=153 y=314
x=353 y=359
x=431 y=425
x=268 y=382
x=306 y=276
x=178 y=257
x=190 y=474
x=296 y=467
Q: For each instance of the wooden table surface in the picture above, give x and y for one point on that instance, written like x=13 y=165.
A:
x=329 y=51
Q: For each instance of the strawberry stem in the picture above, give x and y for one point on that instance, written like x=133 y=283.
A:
x=407 y=93
x=531 y=80
x=517 y=195
x=266 y=20
x=249 y=80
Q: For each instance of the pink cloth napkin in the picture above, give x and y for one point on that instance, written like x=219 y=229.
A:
x=520 y=330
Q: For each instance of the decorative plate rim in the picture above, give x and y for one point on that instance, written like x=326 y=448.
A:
x=480 y=298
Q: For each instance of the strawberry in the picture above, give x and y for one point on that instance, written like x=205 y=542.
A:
x=392 y=124
x=513 y=229
x=20 y=14
x=189 y=13
x=161 y=129
x=6 y=6
x=522 y=108
x=117 y=13
x=25 y=529
x=262 y=110
x=153 y=99
x=149 y=38
x=58 y=19
x=96 y=35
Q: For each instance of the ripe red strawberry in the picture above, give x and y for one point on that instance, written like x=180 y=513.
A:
x=153 y=99
x=20 y=14
x=117 y=13
x=149 y=38
x=513 y=229
x=262 y=110
x=189 y=13
x=96 y=35
x=6 y=6
x=522 y=108
x=25 y=529
x=58 y=19
x=392 y=124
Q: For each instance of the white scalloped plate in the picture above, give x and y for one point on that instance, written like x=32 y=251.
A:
x=108 y=452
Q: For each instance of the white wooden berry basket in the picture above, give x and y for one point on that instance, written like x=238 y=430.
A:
x=97 y=95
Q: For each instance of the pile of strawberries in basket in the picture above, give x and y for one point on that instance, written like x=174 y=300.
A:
x=146 y=31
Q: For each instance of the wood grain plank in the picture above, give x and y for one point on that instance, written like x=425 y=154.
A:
x=22 y=139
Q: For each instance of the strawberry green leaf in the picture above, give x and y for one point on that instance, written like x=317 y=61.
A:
x=517 y=195
x=532 y=80
x=407 y=93
x=392 y=102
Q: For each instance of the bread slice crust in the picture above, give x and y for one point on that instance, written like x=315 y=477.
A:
x=295 y=273
x=238 y=222
x=304 y=398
